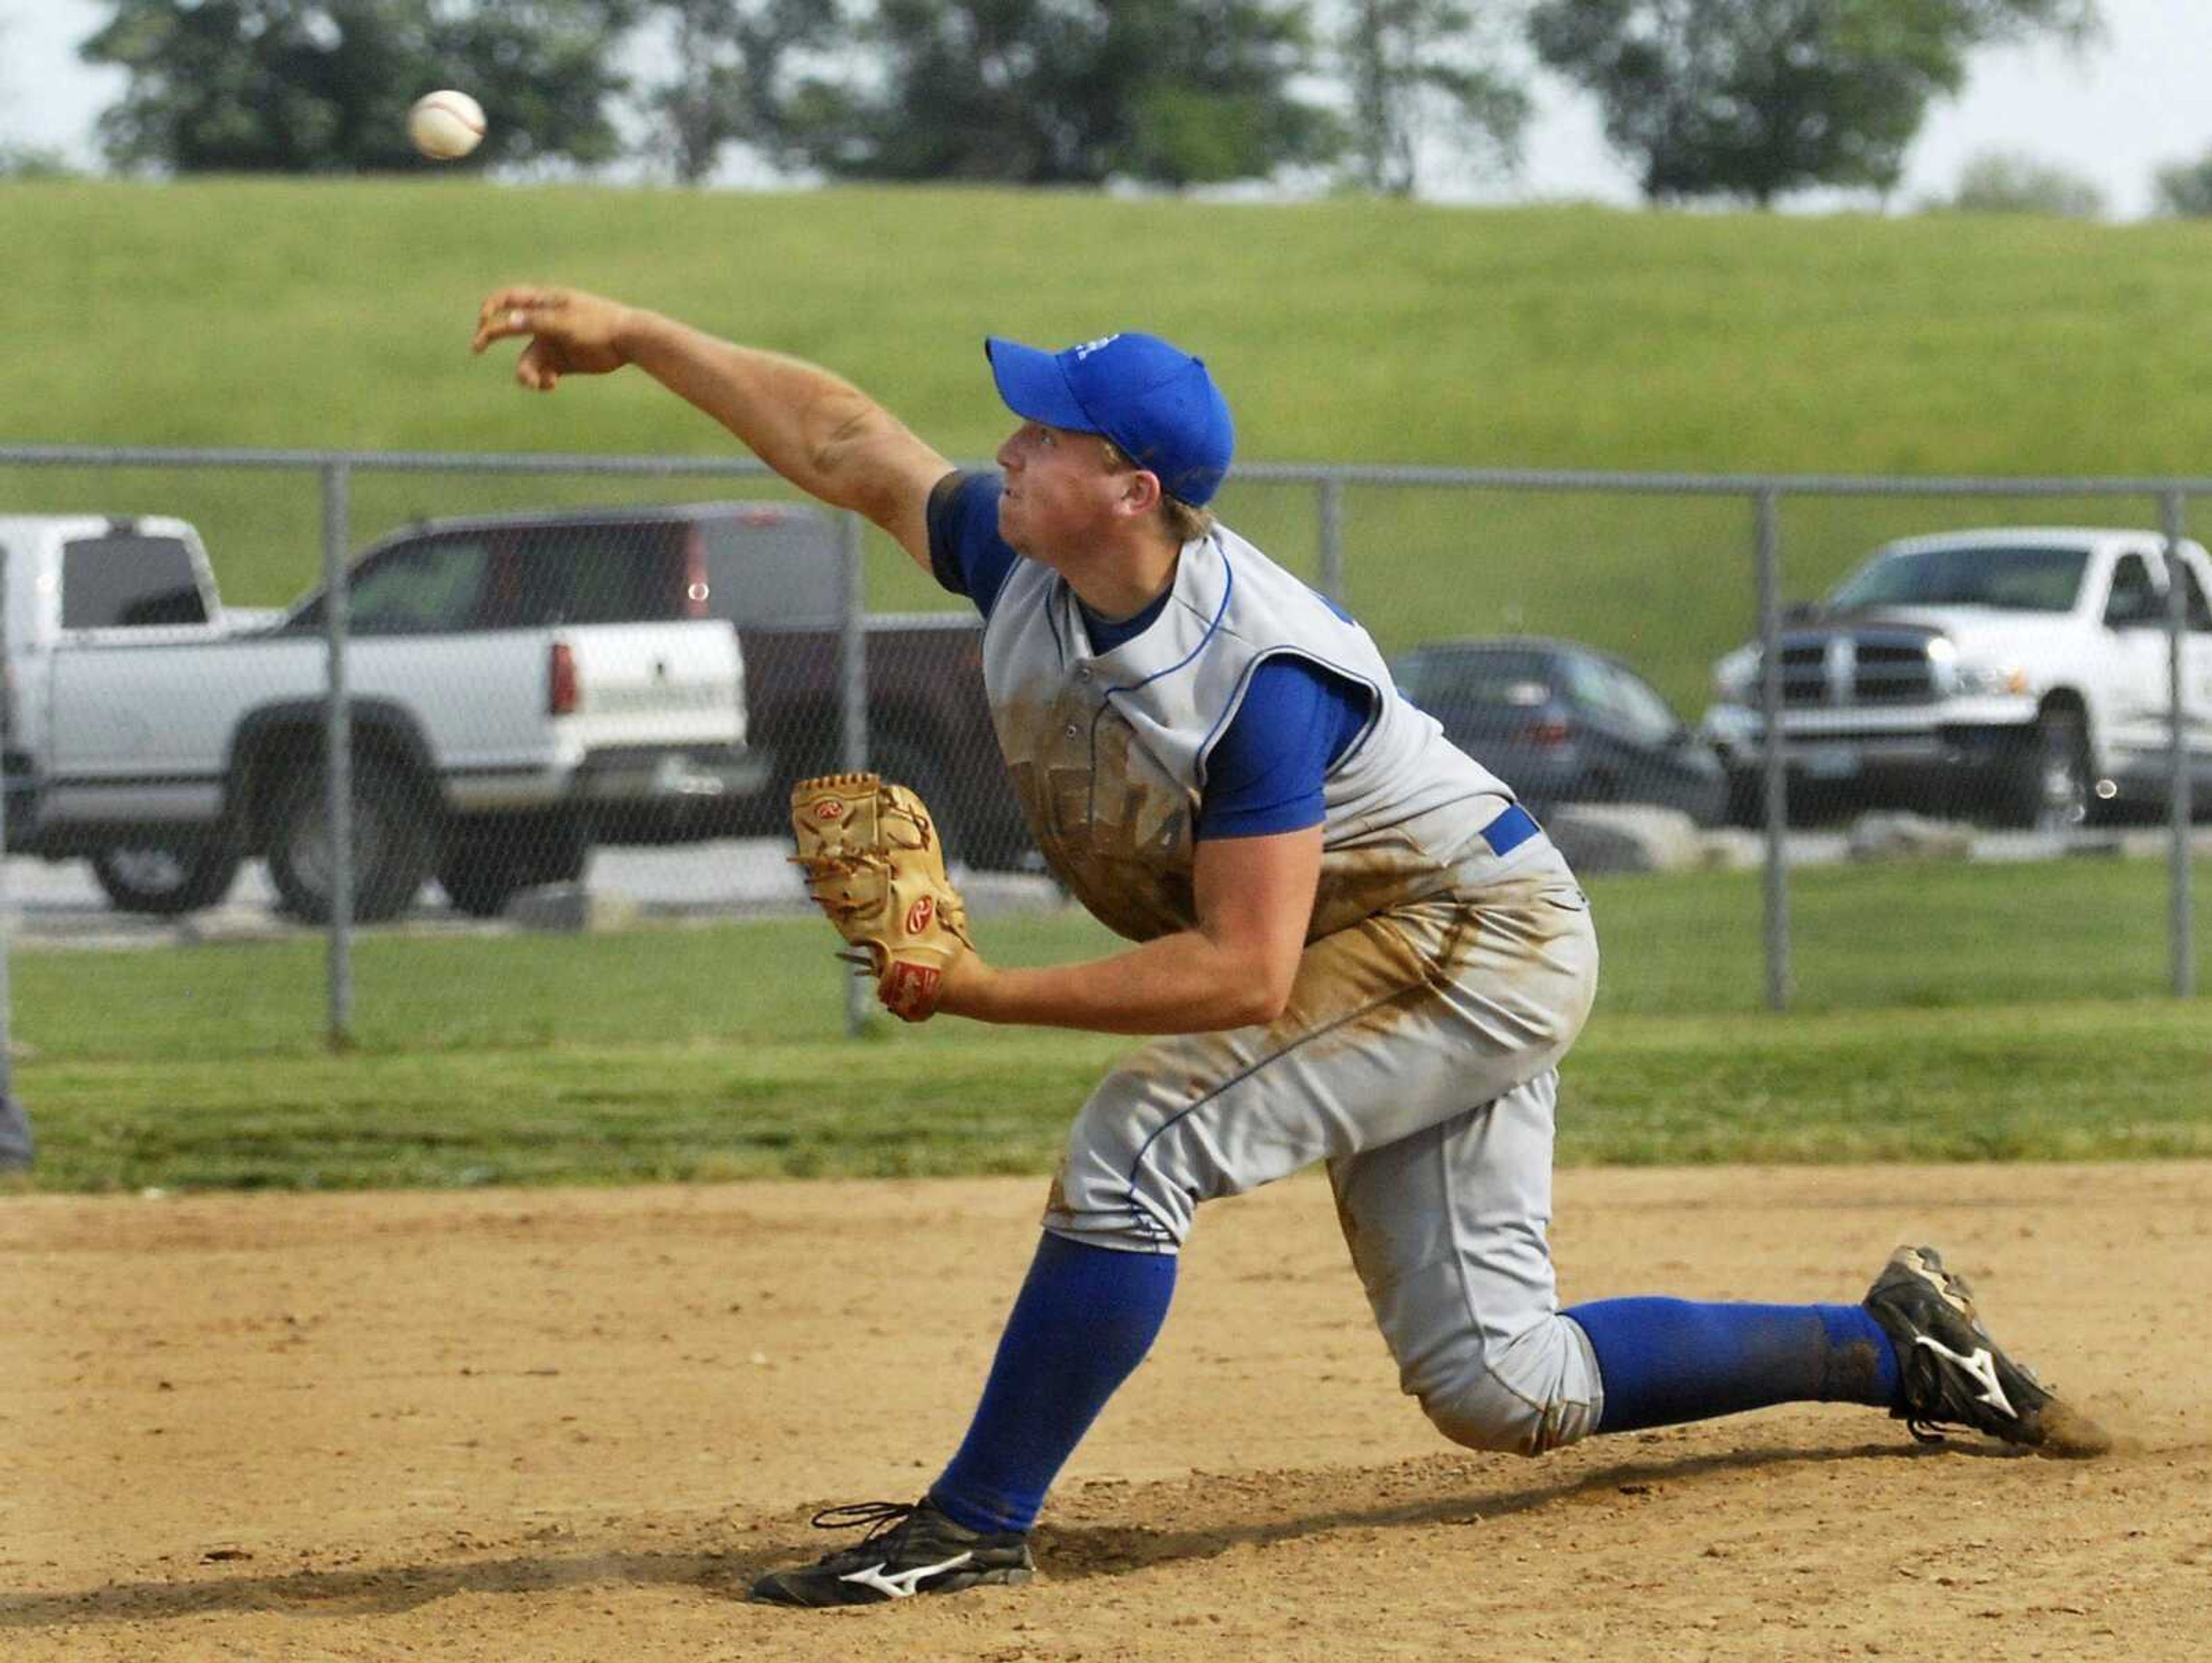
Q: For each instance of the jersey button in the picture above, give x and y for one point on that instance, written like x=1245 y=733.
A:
x=1083 y=673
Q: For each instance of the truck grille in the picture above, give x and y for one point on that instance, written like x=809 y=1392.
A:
x=1864 y=667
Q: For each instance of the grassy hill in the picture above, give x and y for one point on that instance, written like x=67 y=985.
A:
x=315 y=315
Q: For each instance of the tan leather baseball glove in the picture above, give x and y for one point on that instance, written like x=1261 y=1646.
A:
x=874 y=864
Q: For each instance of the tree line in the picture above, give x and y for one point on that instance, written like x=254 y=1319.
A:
x=1748 y=100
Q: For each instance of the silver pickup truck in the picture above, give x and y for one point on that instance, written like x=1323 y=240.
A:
x=146 y=730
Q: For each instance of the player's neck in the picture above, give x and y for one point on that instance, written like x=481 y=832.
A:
x=1121 y=580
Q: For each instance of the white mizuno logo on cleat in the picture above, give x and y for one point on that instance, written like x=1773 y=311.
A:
x=905 y=1585
x=1980 y=1366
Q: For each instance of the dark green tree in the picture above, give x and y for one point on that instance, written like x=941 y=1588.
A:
x=737 y=77
x=1072 y=91
x=1416 y=69
x=1758 y=97
x=2183 y=190
x=323 y=86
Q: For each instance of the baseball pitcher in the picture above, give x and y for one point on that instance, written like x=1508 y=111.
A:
x=1362 y=950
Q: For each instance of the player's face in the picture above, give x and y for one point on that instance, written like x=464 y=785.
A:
x=1060 y=492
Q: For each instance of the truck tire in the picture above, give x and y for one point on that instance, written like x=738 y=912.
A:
x=486 y=867
x=2049 y=787
x=391 y=843
x=166 y=879
x=1747 y=799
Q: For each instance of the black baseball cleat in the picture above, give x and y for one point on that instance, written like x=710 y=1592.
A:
x=1953 y=1374
x=908 y=1550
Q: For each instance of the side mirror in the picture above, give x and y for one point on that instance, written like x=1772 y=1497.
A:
x=1801 y=611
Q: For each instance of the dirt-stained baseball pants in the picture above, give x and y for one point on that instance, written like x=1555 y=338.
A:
x=1417 y=1056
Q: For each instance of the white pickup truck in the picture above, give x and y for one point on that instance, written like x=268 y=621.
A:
x=2022 y=670
x=145 y=729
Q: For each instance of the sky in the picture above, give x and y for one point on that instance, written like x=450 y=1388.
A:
x=2112 y=113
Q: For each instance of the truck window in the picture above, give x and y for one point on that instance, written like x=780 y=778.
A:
x=543 y=576
x=2134 y=599
x=117 y=582
x=419 y=588
x=2200 y=615
x=2029 y=579
x=783 y=572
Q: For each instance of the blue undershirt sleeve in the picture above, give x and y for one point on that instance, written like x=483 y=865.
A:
x=1264 y=773
x=966 y=552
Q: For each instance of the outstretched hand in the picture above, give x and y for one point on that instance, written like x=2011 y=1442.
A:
x=572 y=333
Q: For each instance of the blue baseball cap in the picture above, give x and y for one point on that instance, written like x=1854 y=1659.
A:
x=1152 y=399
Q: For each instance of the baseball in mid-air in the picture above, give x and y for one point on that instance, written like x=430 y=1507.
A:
x=446 y=126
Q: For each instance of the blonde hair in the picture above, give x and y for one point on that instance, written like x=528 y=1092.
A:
x=1186 y=522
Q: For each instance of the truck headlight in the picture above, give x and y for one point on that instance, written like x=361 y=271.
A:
x=1735 y=675
x=1989 y=677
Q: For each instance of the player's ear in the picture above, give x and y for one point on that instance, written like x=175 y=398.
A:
x=1140 y=491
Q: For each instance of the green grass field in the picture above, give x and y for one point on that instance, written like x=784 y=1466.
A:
x=1945 y=1013
x=336 y=314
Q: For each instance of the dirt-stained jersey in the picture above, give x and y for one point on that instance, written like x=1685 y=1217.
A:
x=1108 y=750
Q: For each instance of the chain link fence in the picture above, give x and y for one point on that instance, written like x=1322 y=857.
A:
x=561 y=683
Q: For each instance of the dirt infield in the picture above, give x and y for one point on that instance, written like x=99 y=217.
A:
x=571 y=1425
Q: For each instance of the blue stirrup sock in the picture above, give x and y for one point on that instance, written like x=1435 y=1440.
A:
x=1085 y=1317
x=1666 y=1361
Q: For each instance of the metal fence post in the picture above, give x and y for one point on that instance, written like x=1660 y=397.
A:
x=1332 y=538
x=852 y=708
x=2181 y=916
x=16 y=1141
x=337 y=755
x=1767 y=560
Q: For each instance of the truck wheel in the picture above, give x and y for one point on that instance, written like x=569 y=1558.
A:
x=485 y=868
x=166 y=879
x=391 y=843
x=2049 y=789
x=1747 y=798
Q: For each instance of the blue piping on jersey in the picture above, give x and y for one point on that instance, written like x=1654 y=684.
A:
x=1244 y=685
x=1052 y=622
x=1228 y=588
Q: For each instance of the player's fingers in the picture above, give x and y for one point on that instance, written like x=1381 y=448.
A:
x=490 y=315
x=514 y=294
x=509 y=312
x=535 y=369
x=500 y=324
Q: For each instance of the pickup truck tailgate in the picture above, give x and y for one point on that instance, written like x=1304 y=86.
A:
x=655 y=684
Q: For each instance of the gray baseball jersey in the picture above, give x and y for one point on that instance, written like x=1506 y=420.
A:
x=1449 y=963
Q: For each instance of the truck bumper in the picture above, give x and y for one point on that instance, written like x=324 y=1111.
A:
x=1945 y=766
x=654 y=775
x=659 y=796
